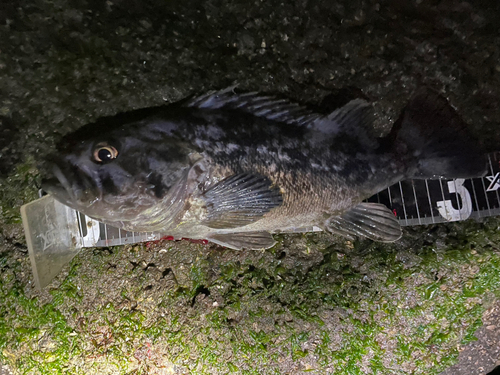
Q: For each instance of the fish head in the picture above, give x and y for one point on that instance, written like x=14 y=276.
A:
x=119 y=173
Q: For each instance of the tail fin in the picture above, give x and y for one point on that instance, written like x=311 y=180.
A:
x=434 y=140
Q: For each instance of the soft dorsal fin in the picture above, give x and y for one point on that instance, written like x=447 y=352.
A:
x=240 y=200
x=354 y=120
x=372 y=220
x=266 y=106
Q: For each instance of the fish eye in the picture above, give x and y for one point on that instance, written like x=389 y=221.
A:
x=104 y=154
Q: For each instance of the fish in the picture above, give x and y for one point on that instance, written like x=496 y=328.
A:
x=236 y=167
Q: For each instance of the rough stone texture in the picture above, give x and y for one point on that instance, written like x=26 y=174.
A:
x=481 y=356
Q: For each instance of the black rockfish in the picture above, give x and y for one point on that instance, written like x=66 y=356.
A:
x=235 y=167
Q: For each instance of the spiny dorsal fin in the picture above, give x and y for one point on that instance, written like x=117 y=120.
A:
x=245 y=240
x=372 y=220
x=240 y=200
x=266 y=106
x=354 y=119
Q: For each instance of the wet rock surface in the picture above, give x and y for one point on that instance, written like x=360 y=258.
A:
x=483 y=355
x=313 y=302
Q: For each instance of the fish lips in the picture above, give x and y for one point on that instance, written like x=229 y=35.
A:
x=69 y=186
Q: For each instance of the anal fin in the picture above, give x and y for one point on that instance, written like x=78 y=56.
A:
x=244 y=240
x=371 y=220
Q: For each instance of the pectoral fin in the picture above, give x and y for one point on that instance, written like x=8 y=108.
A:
x=248 y=240
x=371 y=220
x=240 y=200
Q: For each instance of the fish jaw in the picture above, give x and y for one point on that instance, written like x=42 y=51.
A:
x=76 y=191
x=83 y=190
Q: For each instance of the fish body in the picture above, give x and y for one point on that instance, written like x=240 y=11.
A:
x=233 y=168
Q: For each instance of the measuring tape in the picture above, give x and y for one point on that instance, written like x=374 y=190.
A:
x=418 y=202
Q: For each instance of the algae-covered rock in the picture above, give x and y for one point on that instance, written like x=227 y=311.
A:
x=313 y=302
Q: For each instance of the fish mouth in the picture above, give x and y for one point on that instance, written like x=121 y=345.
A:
x=53 y=187
x=74 y=191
